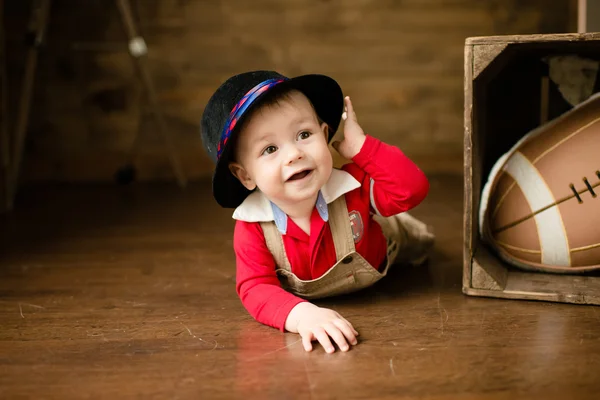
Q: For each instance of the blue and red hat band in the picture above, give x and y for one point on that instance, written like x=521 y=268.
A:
x=240 y=108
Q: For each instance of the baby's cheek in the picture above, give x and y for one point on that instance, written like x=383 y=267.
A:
x=270 y=177
x=327 y=159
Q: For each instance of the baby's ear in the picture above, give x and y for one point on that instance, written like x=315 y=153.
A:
x=325 y=129
x=240 y=172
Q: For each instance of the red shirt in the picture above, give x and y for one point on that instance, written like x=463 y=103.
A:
x=398 y=185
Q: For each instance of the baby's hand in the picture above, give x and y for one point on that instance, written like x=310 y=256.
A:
x=354 y=137
x=316 y=323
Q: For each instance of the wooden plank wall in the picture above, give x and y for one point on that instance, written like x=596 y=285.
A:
x=401 y=61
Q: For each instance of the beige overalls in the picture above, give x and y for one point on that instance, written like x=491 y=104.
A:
x=351 y=272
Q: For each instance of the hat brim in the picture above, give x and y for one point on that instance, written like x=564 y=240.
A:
x=327 y=98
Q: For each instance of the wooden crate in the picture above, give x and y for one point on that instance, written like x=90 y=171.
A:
x=507 y=94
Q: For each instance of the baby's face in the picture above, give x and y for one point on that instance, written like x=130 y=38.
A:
x=283 y=151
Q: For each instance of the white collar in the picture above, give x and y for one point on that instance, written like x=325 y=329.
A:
x=257 y=208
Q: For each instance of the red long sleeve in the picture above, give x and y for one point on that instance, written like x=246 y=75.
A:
x=256 y=281
x=399 y=184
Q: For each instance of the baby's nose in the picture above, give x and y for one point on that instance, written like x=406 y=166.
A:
x=294 y=154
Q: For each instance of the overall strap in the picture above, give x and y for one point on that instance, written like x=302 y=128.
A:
x=275 y=245
x=341 y=230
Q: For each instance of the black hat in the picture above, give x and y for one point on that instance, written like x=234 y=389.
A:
x=235 y=99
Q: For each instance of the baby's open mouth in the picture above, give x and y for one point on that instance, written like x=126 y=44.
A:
x=300 y=175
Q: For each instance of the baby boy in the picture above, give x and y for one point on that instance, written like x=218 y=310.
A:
x=304 y=229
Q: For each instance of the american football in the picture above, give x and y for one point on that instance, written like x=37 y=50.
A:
x=540 y=207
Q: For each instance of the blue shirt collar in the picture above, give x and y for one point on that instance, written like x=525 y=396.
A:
x=281 y=218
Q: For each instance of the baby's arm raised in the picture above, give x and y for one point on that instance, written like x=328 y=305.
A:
x=397 y=183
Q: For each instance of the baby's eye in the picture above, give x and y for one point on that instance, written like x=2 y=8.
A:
x=270 y=150
x=304 y=135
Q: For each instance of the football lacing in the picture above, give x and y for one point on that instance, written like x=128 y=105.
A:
x=576 y=193
x=590 y=188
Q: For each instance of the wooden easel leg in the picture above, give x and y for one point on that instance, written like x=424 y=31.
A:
x=137 y=49
x=4 y=140
x=4 y=120
x=36 y=31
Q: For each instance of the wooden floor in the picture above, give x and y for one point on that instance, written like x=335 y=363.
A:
x=128 y=292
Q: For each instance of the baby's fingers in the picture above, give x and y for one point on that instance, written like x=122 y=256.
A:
x=323 y=338
x=350 y=325
x=336 y=334
x=307 y=338
x=347 y=330
x=349 y=109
